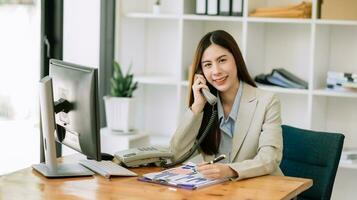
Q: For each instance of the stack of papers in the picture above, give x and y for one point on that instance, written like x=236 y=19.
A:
x=301 y=10
x=337 y=80
x=185 y=177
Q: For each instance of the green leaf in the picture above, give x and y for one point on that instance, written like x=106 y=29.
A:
x=122 y=86
x=129 y=81
x=117 y=71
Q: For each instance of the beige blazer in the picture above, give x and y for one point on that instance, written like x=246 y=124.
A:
x=257 y=140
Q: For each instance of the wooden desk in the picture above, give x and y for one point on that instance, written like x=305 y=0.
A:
x=28 y=184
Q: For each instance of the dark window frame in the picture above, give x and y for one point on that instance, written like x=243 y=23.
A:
x=52 y=47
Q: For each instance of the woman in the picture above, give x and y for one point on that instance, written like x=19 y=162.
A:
x=248 y=126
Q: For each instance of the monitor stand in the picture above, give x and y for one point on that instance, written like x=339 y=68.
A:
x=51 y=168
x=62 y=170
x=106 y=156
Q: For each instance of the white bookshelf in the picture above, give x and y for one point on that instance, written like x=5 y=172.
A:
x=151 y=16
x=277 y=89
x=211 y=18
x=156 y=80
x=336 y=22
x=334 y=93
x=161 y=47
x=279 y=20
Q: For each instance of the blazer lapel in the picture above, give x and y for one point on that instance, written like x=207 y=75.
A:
x=244 y=118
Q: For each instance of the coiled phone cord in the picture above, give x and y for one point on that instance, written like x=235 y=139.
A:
x=196 y=145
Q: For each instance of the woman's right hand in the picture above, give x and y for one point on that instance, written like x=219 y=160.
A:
x=199 y=100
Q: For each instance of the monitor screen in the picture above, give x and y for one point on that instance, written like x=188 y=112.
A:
x=78 y=126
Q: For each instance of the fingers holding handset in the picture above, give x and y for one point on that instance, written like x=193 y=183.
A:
x=199 y=100
x=199 y=83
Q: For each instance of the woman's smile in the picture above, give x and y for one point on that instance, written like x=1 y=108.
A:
x=220 y=80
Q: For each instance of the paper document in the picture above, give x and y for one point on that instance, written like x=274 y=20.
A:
x=184 y=176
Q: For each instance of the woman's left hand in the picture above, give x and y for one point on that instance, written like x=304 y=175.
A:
x=216 y=171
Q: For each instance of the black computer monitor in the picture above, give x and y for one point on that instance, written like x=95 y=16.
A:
x=69 y=115
x=79 y=127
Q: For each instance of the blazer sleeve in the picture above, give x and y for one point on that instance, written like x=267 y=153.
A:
x=270 y=146
x=185 y=135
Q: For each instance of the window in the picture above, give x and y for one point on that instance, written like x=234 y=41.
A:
x=19 y=74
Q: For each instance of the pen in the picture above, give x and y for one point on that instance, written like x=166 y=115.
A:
x=219 y=158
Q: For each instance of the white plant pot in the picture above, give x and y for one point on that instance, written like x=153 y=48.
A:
x=119 y=113
x=156 y=9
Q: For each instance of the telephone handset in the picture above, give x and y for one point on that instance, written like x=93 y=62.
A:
x=143 y=156
x=211 y=99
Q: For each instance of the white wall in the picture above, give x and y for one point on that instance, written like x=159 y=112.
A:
x=81 y=31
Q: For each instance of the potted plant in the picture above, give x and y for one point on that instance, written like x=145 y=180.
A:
x=119 y=106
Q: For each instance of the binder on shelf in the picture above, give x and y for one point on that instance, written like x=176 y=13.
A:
x=278 y=82
x=283 y=78
x=212 y=7
x=288 y=78
x=262 y=78
x=237 y=8
x=225 y=7
x=201 y=7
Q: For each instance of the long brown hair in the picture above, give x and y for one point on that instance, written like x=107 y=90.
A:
x=211 y=143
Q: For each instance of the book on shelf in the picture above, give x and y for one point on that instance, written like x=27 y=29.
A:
x=262 y=78
x=224 y=7
x=337 y=80
x=283 y=78
x=289 y=79
x=212 y=7
x=219 y=7
x=278 y=82
x=237 y=7
x=201 y=7
x=184 y=176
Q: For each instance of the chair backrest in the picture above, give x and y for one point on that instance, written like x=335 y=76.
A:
x=314 y=155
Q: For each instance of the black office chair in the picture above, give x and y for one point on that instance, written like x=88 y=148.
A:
x=314 y=155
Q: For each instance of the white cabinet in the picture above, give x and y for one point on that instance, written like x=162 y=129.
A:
x=114 y=141
x=161 y=47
